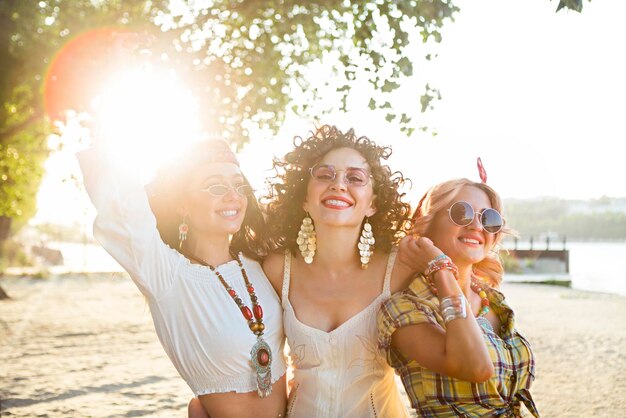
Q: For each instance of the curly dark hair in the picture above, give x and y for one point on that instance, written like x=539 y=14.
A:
x=167 y=188
x=288 y=188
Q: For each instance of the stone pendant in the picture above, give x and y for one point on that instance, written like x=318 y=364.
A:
x=261 y=355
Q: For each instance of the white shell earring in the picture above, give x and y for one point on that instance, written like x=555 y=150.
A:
x=306 y=239
x=365 y=243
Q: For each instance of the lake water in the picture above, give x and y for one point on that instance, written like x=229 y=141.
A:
x=594 y=266
x=597 y=266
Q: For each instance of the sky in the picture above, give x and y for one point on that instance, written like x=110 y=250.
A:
x=538 y=95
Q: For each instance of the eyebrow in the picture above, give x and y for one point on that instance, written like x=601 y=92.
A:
x=335 y=167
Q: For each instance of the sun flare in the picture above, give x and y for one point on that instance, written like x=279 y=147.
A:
x=144 y=116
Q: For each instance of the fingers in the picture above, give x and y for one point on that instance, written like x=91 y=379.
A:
x=426 y=241
x=422 y=241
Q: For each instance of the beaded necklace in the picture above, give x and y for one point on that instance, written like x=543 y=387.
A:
x=484 y=302
x=261 y=353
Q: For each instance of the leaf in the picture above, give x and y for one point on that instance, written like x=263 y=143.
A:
x=405 y=66
x=389 y=86
x=576 y=5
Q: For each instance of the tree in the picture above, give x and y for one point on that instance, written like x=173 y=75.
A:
x=247 y=60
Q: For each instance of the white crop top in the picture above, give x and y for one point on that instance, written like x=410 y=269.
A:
x=199 y=325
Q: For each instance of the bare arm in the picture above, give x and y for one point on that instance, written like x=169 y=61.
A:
x=457 y=351
x=273 y=266
x=125 y=225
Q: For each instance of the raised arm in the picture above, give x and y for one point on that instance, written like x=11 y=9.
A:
x=125 y=226
x=458 y=350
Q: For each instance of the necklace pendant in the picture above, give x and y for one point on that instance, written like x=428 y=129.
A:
x=261 y=355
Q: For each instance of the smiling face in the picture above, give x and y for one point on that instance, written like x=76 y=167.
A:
x=465 y=245
x=336 y=203
x=215 y=215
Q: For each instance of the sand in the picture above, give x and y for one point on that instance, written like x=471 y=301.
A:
x=84 y=346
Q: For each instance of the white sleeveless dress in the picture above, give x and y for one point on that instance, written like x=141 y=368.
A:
x=341 y=373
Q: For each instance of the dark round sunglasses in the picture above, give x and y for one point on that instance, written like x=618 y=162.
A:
x=462 y=214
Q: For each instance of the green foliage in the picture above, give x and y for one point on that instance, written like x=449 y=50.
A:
x=253 y=56
x=248 y=60
x=21 y=169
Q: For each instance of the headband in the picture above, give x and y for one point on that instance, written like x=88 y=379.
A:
x=481 y=171
x=220 y=152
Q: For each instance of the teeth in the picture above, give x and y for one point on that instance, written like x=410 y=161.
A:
x=335 y=202
x=470 y=241
x=228 y=213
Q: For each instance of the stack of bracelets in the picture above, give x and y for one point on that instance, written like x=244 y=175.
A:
x=452 y=307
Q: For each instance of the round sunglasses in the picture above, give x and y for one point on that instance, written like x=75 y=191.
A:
x=462 y=214
x=353 y=176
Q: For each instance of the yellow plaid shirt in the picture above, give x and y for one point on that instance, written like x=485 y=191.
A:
x=436 y=395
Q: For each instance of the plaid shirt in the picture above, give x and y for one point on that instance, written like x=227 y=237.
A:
x=435 y=395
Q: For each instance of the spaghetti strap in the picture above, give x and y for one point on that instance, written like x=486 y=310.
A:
x=286 y=277
x=390 y=262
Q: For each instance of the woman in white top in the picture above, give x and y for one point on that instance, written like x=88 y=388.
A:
x=332 y=203
x=192 y=247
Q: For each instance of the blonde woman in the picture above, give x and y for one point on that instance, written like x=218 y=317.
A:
x=451 y=335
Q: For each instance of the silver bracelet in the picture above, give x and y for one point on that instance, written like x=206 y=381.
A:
x=453 y=307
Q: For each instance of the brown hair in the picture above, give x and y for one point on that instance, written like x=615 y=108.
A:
x=439 y=198
x=168 y=188
x=289 y=187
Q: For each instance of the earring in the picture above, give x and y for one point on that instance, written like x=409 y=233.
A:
x=366 y=240
x=183 y=228
x=306 y=239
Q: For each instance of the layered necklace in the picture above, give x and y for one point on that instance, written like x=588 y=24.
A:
x=261 y=354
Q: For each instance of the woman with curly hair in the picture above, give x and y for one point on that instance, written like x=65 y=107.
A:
x=334 y=217
x=451 y=335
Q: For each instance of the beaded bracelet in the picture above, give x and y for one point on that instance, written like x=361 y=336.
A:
x=440 y=265
x=453 y=307
x=434 y=260
x=437 y=263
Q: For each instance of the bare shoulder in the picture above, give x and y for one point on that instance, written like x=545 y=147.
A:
x=273 y=266
x=400 y=279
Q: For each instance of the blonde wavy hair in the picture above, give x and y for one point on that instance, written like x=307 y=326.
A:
x=438 y=199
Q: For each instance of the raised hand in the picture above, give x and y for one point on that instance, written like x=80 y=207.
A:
x=415 y=252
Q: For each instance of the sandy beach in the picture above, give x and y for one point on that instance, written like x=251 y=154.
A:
x=84 y=346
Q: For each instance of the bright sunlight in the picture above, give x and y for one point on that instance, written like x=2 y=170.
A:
x=144 y=116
